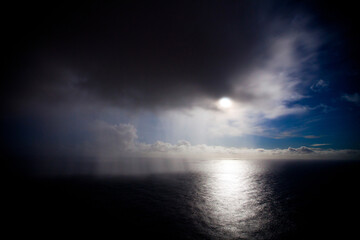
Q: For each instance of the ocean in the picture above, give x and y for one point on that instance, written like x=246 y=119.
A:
x=211 y=199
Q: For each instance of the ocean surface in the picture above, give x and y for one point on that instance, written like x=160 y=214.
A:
x=211 y=199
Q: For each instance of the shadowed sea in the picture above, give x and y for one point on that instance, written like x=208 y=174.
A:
x=212 y=199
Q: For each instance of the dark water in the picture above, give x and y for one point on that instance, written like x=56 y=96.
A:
x=225 y=199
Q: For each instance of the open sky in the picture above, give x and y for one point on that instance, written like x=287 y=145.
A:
x=261 y=79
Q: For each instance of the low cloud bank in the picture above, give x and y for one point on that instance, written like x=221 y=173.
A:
x=120 y=140
x=115 y=149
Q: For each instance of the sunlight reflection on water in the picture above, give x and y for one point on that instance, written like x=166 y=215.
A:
x=233 y=198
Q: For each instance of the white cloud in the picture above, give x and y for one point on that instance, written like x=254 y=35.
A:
x=275 y=82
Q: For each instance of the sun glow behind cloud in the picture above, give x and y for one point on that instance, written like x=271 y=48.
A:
x=225 y=103
x=265 y=92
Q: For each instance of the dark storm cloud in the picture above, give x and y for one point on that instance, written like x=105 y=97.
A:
x=77 y=73
x=141 y=54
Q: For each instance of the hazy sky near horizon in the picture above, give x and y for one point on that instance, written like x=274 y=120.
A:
x=146 y=78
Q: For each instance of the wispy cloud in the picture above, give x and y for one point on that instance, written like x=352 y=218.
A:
x=323 y=107
x=311 y=136
x=320 y=86
x=320 y=144
x=354 y=98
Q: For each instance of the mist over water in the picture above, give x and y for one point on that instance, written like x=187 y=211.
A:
x=207 y=199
